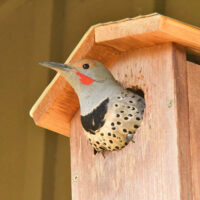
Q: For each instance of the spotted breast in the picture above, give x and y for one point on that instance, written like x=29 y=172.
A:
x=112 y=124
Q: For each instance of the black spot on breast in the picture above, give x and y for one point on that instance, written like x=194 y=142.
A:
x=124 y=130
x=95 y=120
x=130 y=132
x=95 y=151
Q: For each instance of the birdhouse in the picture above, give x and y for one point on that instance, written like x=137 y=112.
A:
x=150 y=53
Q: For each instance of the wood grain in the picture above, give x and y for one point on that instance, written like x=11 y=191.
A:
x=155 y=167
x=182 y=120
x=55 y=111
x=194 y=110
x=147 y=31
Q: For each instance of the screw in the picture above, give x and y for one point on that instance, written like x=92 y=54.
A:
x=75 y=178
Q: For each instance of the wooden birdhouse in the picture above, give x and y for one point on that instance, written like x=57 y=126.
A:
x=150 y=53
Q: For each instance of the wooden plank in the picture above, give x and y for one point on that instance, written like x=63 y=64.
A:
x=147 y=31
x=194 y=113
x=182 y=120
x=128 y=34
x=155 y=167
x=59 y=104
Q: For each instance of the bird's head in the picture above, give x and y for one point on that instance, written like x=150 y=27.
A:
x=85 y=76
x=91 y=80
x=82 y=72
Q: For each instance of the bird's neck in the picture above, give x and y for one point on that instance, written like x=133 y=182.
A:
x=95 y=94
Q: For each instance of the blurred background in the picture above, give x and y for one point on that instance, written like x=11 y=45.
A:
x=35 y=163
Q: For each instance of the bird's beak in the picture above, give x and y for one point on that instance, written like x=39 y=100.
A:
x=56 y=66
x=72 y=72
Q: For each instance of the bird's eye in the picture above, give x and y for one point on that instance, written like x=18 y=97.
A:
x=86 y=66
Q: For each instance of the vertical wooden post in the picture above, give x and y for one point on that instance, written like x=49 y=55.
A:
x=157 y=166
x=182 y=120
x=194 y=114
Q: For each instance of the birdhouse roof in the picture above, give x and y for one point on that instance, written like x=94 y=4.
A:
x=104 y=42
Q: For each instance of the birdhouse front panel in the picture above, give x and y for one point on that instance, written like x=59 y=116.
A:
x=150 y=168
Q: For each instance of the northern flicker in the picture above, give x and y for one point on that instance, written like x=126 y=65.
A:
x=110 y=114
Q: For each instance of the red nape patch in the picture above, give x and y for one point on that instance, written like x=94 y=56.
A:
x=85 y=79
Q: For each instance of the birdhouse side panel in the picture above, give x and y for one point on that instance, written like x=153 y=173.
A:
x=194 y=119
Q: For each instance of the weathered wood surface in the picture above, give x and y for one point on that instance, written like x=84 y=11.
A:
x=157 y=166
x=194 y=110
x=104 y=42
x=147 y=31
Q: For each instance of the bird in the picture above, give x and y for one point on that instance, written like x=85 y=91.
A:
x=110 y=114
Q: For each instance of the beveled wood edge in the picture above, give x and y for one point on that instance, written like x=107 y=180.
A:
x=175 y=30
